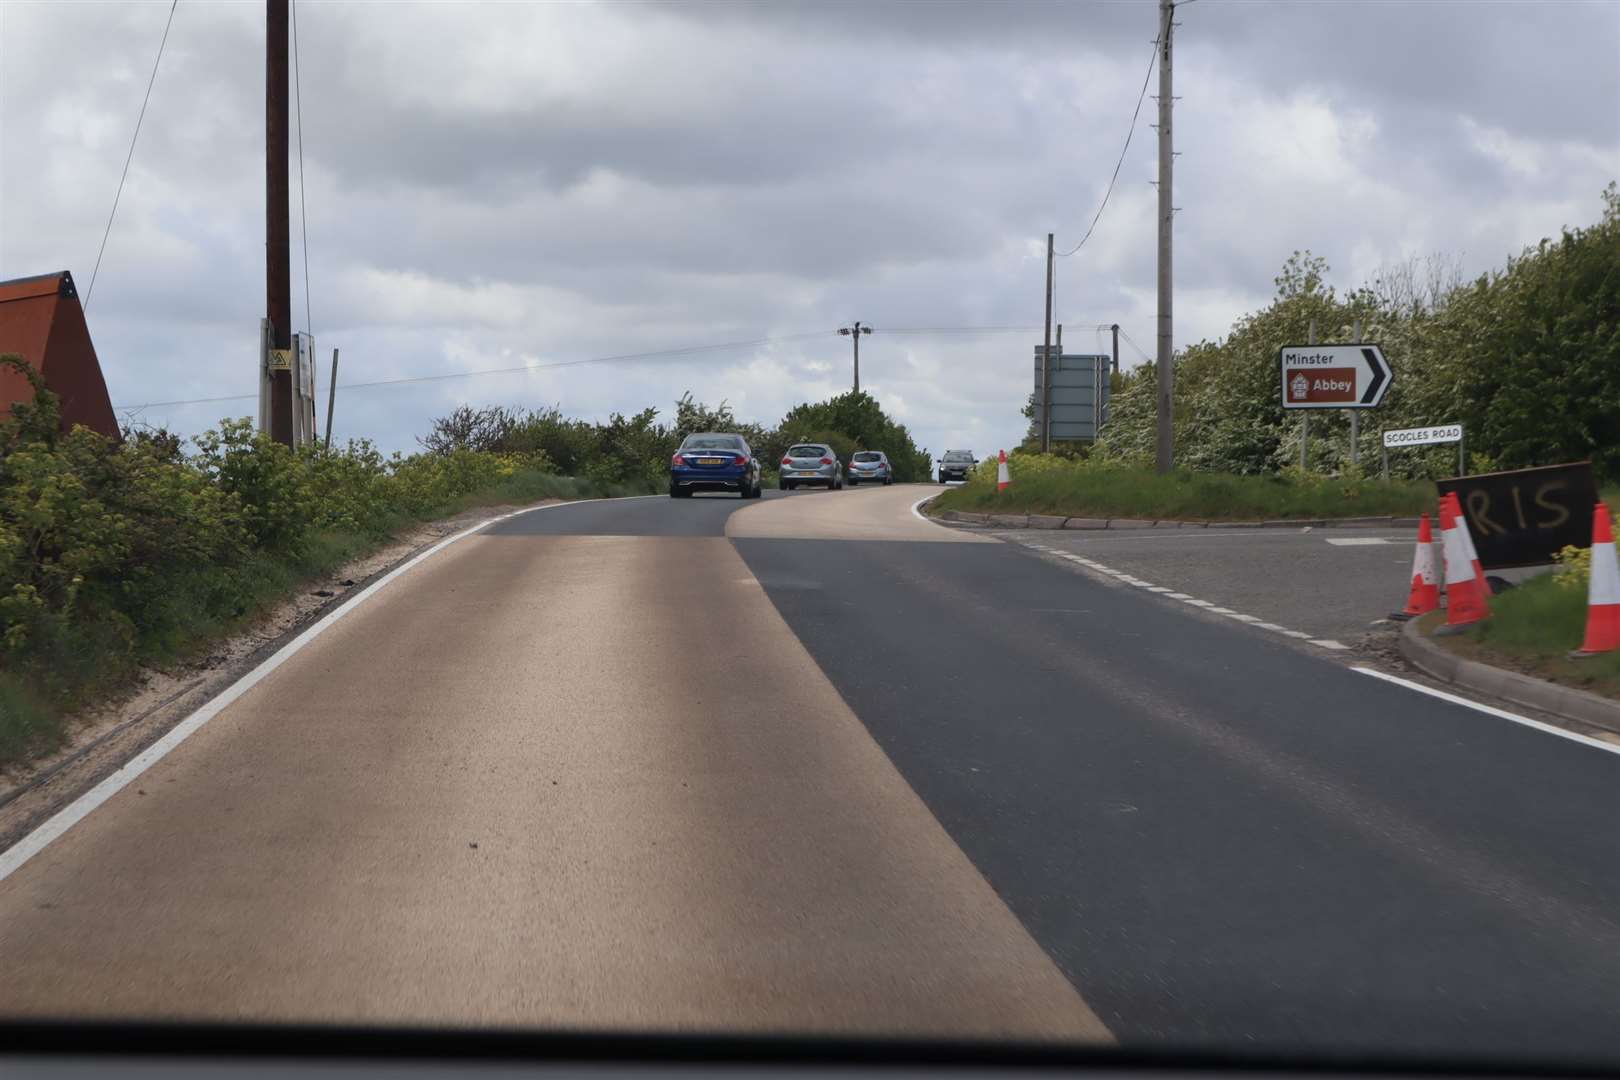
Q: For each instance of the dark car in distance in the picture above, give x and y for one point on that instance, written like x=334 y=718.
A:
x=714 y=461
x=956 y=465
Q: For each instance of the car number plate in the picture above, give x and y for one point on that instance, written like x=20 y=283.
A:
x=711 y=461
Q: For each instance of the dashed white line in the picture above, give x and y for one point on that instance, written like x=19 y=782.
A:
x=1185 y=598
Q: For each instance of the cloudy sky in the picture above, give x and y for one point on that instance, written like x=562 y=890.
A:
x=505 y=185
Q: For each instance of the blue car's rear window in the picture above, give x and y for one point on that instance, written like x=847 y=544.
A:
x=712 y=442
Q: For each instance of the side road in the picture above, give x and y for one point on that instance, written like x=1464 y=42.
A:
x=1329 y=587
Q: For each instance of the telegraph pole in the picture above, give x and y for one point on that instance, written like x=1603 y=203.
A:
x=277 y=246
x=855 y=333
x=1046 y=358
x=1115 y=329
x=1166 y=358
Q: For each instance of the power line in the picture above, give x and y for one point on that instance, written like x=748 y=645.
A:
x=1134 y=116
x=130 y=156
x=303 y=206
x=956 y=329
x=658 y=354
x=689 y=350
x=1134 y=345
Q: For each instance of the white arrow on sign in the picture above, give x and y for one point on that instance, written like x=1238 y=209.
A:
x=1334 y=376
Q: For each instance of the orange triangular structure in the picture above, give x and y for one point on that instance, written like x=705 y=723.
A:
x=41 y=320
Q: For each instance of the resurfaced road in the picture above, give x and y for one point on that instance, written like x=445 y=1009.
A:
x=812 y=763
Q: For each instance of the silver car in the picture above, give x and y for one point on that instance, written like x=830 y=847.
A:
x=871 y=467
x=811 y=463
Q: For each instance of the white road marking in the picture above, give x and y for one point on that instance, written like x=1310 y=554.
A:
x=1491 y=710
x=1131 y=579
x=76 y=811
x=1356 y=541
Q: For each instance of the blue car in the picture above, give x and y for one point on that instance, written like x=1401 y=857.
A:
x=714 y=461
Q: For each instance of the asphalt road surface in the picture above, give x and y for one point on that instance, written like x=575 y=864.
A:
x=1329 y=584
x=814 y=764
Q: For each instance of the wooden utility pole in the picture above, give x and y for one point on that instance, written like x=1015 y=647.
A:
x=331 y=399
x=278 y=223
x=854 y=333
x=1046 y=358
x=1166 y=359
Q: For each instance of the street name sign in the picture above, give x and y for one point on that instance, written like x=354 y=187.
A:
x=1333 y=376
x=1423 y=436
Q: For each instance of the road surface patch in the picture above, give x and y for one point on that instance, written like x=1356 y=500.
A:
x=868 y=513
x=1130 y=579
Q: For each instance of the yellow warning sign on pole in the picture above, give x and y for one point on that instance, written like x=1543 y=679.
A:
x=281 y=359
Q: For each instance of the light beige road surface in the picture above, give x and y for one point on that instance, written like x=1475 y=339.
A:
x=867 y=513
x=580 y=781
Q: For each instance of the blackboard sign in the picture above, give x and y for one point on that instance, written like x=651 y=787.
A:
x=1523 y=518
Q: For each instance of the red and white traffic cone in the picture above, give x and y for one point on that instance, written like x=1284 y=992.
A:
x=1603 y=590
x=1465 y=587
x=1425 y=594
x=1003 y=480
x=1468 y=543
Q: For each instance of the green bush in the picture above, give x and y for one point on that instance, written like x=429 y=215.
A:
x=1050 y=484
x=115 y=553
x=1527 y=358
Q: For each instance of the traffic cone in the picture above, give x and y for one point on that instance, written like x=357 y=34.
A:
x=1465 y=588
x=1468 y=545
x=1603 y=589
x=1003 y=480
x=1425 y=594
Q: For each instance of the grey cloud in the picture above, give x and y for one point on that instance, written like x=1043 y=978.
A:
x=708 y=172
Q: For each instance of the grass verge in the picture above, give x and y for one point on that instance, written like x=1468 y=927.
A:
x=200 y=605
x=1075 y=489
x=1532 y=630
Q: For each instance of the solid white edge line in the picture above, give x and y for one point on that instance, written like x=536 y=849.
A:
x=76 y=811
x=1492 y=710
